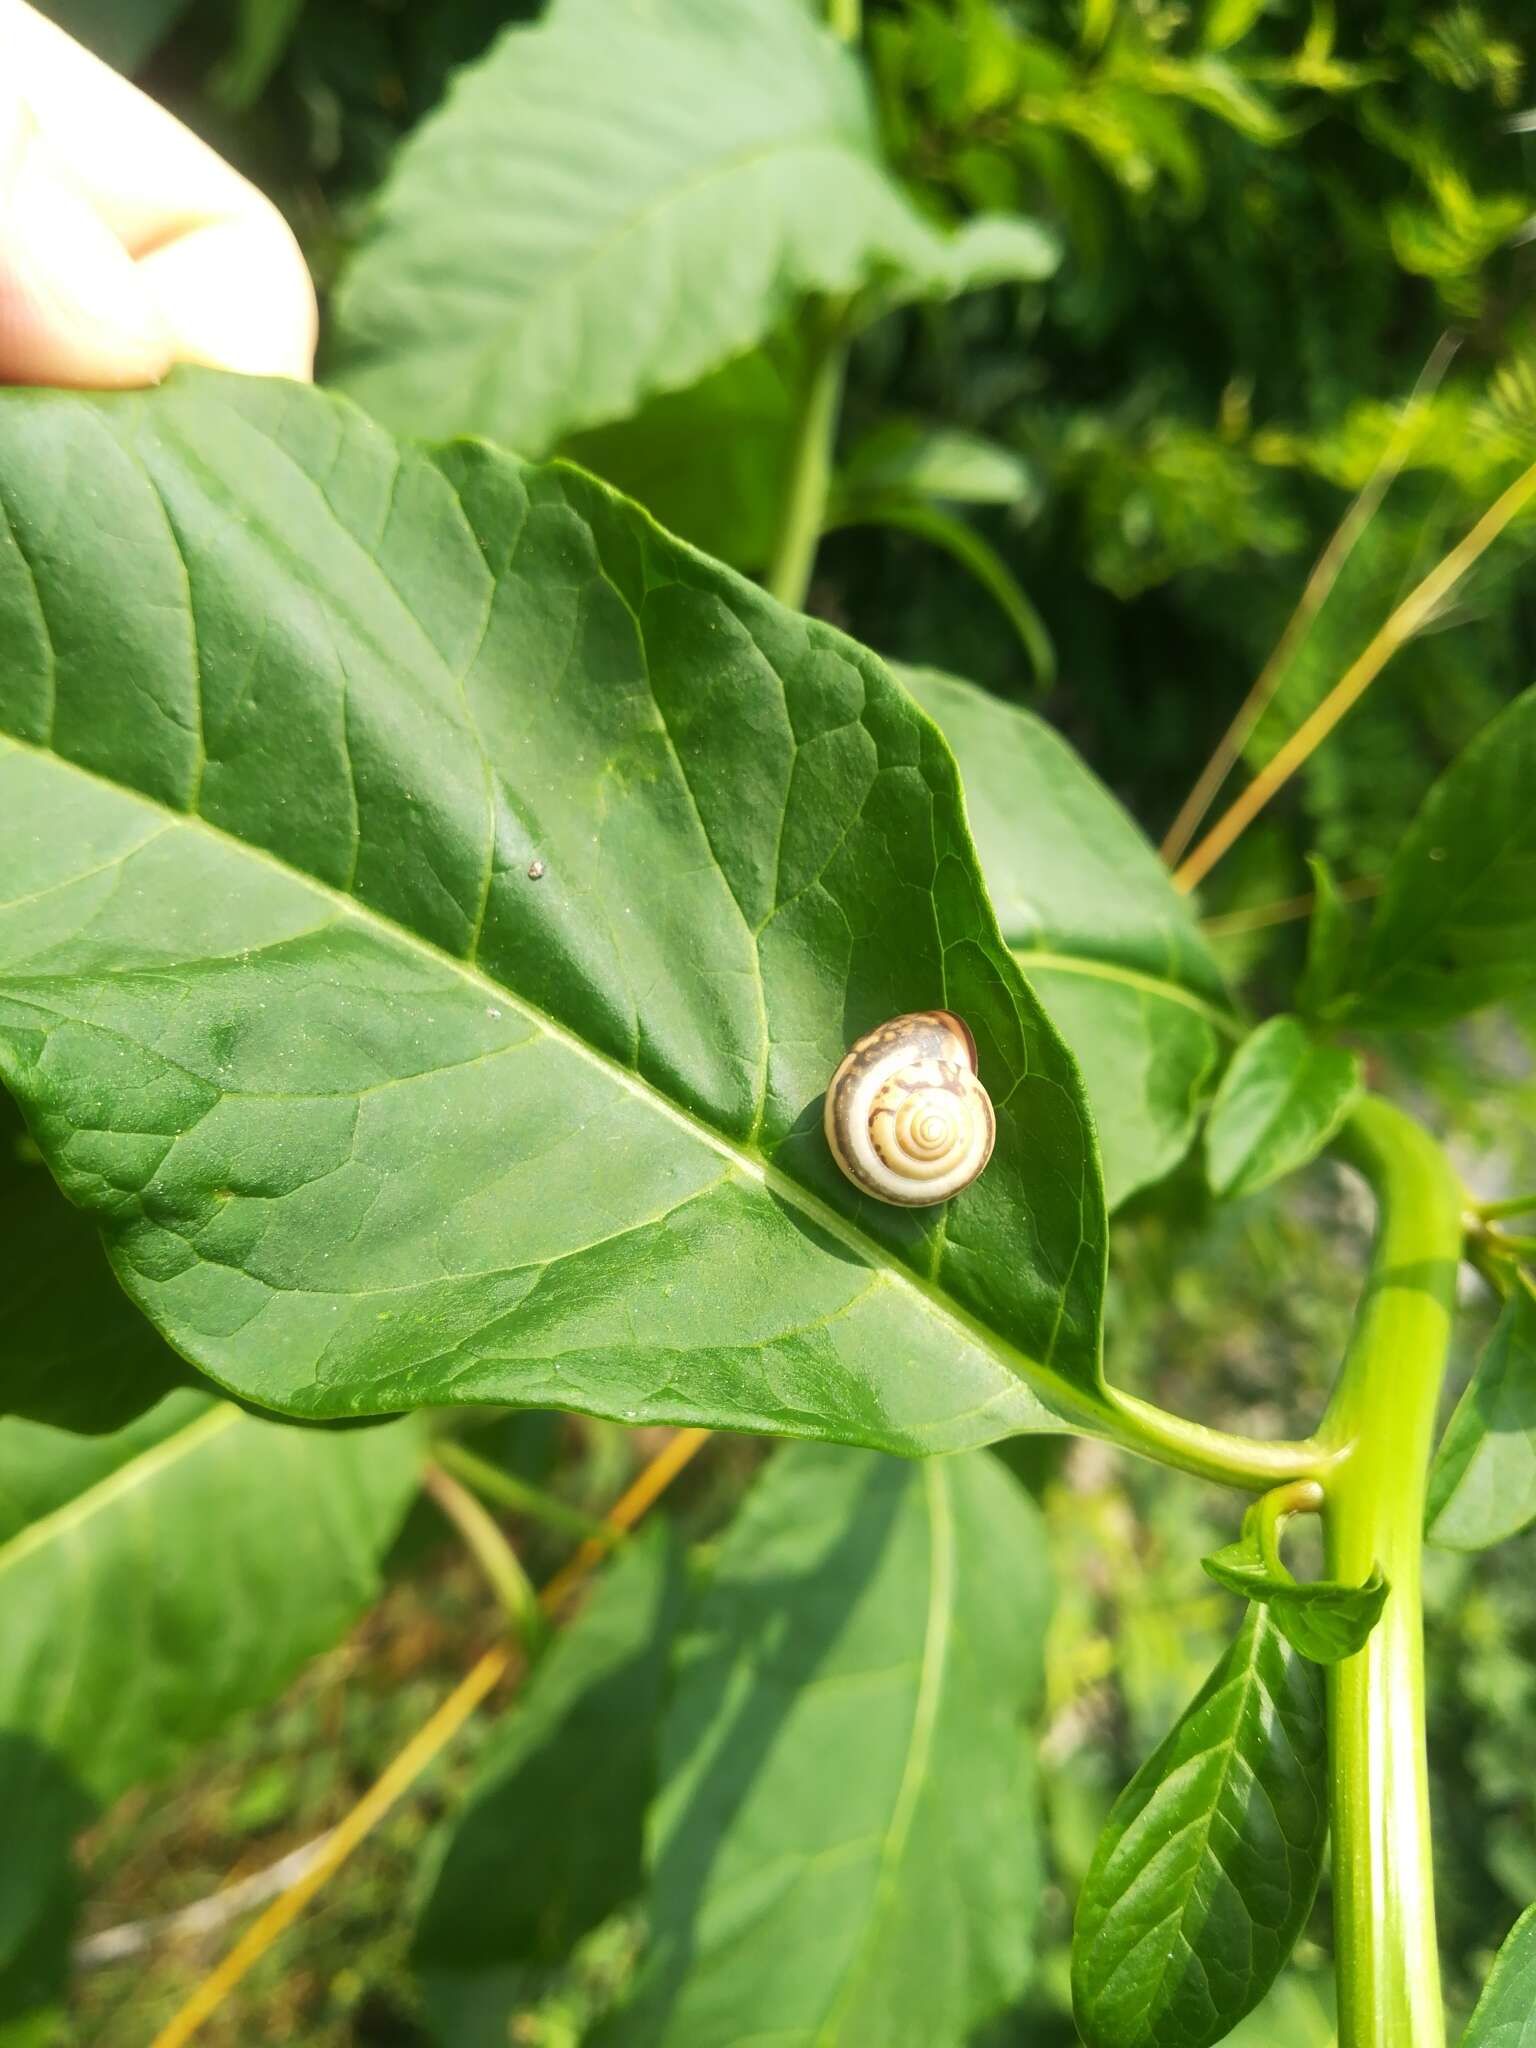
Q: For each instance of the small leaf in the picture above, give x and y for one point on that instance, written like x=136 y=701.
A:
x=1112 y=949
x=844 y=1846
x=974 y=554
x=77 y=1353
x=1280 y=1101
x=1505 y=2016
x=1332 y=940
x=936 y=462
x=1210 y=1860
x=549 y=1839
x=1455 y=927
x=543 y=261
x=1482 y=1486
x=1325 y=1620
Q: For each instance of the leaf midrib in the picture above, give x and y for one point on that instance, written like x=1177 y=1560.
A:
x=118 y=1484
x=938 y=1624
x=1227 y=1749
x=1069 y=1400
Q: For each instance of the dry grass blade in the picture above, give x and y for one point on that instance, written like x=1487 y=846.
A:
x=1414 y=612
x=1319 y=585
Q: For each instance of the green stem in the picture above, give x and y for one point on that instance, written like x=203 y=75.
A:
x=1242 y=1461
x=843 y=19
x=1514 y=1205
x=508 y=1491
x=490 y=1549
x=803 y=515
x=1270 y=1513
x=1380 y=1425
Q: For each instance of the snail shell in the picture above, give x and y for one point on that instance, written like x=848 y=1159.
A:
x=906 y=1117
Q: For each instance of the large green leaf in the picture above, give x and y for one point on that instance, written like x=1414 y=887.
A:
x=1506 y=2012
x=1455 y=926
x=843 y=1848
x=1210 y=1860
x=1482 y=1486
x=130 y=1634
x=617 y=201
x=1109 y=945
x=434 y=903
x=550 y=1839
x=75 y=1351
x=1283 y=1097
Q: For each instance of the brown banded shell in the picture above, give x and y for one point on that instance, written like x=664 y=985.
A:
x=906 y=1118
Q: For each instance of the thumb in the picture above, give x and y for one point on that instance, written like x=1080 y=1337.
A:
x=74 y=308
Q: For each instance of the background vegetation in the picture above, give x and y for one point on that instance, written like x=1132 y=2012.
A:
x=1101 y=494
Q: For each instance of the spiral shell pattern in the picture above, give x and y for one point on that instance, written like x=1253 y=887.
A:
x=906 y=1118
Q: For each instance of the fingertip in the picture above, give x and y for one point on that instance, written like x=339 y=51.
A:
x=236 y=295
x=73 y=307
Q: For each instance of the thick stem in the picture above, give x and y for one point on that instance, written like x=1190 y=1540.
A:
x=1380 y=1422
x=804 y=512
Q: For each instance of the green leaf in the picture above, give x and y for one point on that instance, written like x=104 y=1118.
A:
x=77 y=1352
x=123 y=33
x=937 y=462
x=1324 y=1619
x=1111 y=948
x=550 y=1838
x=1506 y=2013
x=1482 y=1485
x=1332 y=940
x=1280 y=1101
x=973 y=553
x=119 y=1526
x=1210 y=1860
x=843 y=1849
x=544 y=259
x=263 y=31
x=1455 y=927
x=108 y=1574
x=437 y=902
x=711 y=463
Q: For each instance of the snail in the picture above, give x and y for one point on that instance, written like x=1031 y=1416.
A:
x=906 y=1118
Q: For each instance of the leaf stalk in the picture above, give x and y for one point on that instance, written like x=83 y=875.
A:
x=803 y=516
x=489 y=1548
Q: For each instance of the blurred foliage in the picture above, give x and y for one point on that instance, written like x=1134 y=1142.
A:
x=1273 y=211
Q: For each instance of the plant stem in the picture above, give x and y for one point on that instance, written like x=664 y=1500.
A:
x=1515 y=1205
x=843 y=18
x=1250 y=1463
x=1381 y=1419
x=804 y=512
x=493 y=1483
x=490 y=1549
